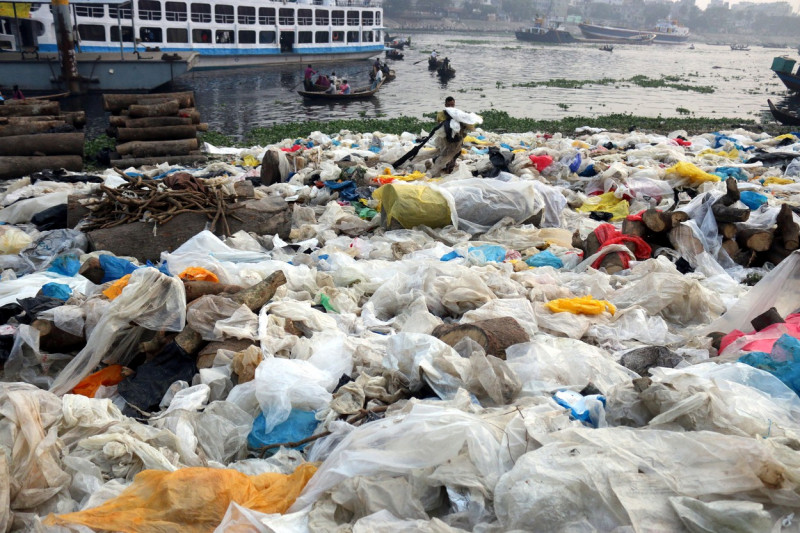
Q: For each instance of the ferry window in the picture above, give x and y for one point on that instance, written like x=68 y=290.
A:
x=150 y=35
x=338 y=36
x=322 y=37
x=305 y=37
x=337 y=19
x=149 y=10
x=367 y=37
x=247 y=37
x=286 y=16
x=175 y=11
x=266 y=15
x=90 y=10
x=352 y=37
x=304 y=17
x=266 y=37
x=366 y=18
x=177 y=35
x=247 y=15
x=352 y=18
x=201 y=36
x=201 y=13
x=223 y=14
x=322 y=17
x=115 y=12
x=377 y=18
x=92 y=32
x=224 y=36
x=127 y=34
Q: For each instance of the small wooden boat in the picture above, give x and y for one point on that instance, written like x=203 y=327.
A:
x=434 y=64
x=357 y=94
x=394 y=54
x=786 y=118
x=446 y=72
x=740 y=47
x=607 y=48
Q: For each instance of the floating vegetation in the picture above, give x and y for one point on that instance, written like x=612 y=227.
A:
x=563 y=106
x=468 y=41
x=642 y=81
x=682 y=111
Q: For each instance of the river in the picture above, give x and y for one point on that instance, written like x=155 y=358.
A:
x=488 y=66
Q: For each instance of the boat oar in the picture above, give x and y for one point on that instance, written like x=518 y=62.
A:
x=414 y=151
x=420 y=61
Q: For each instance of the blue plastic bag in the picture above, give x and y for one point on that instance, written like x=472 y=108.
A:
x=731 y=172
x=346 y=189
x=300 y=425
x=450 y=256
x=576 y=163
x=56 y=290
x=752 y=199
x=66 y=265
x=115 y=267
x=783 y=362
x=588 y=409
x=488 y=252
x=545 y=258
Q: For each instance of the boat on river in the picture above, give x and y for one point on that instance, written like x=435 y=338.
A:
x=545 y=30
x=666 y=32
x=784 y=117
x=782 y=67
x=225 y=33
x=737 y=47
x=359 y=93
x=433 y=63
x=394 y=54
x=607 y=48
x=446 y=71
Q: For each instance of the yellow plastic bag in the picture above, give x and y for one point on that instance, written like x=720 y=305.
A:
x=691 y=172
x=13 y=241
x=733 y=154
x=413 y=205
x=474 y=140
x=585 y=305
x=198 y=274
x=191 y=500
x=606 y=202
x=115 y=289
x=250 y=161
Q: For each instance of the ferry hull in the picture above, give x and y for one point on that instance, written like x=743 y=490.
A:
x=551 y=36
x=209 y=62
x=101 y=72
x=591 y=31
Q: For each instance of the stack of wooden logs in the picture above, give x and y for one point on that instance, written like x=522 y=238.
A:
x=747 y=246
x=36 y=135
x=154 y=128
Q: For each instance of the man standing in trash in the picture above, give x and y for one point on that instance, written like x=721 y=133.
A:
x=449 y=143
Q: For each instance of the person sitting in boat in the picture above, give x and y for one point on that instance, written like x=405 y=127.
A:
x=385 y=69
x=323 y=82
x=344 y=88
x=377 y=81
x=17 y=93
x=307 y=76
x=434 y=54
x=446 y=64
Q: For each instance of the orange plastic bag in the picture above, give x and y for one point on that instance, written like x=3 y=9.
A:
x=585 y=305
x=116 y=288
x=198 y=274
x=110 y=375
x=189 y=500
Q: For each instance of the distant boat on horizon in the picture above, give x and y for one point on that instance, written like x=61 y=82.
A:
x=666 y=31
x=545 y=31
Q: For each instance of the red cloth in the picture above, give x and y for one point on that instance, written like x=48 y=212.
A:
x=294 y=148
x=607 y=235
x=541 y=162
x=762 y=341
x=682 y=142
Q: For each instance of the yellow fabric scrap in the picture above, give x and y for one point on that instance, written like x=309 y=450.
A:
x=474 y=140
x=689 y=171
x=250 y=161
x=785 y=136
x=115 y=289
x=198 y=274
x=733 y=154
x=189 y=500
x=775 y=180
x=606 y=202
x=580 y=144
x=585 y=305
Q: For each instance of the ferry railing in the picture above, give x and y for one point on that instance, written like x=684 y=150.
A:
x=305 y=21
x=286 y=20
x=266 y=21
x=124 y=13
x=247 y=19
x=201 y=17
x=337 y=21
x=223 y=19
x=323 y=22
x=149 y=14
x=176 y=16
x=90 y=11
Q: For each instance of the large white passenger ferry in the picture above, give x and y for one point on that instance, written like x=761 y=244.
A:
x=226 y=33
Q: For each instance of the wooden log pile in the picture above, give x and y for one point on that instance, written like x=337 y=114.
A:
x=36 y=135
x=747 y=246
x=154 y=128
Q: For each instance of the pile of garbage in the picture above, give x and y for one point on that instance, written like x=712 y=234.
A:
x=597 y=333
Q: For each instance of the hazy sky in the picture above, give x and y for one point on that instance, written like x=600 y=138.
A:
x=794 y=3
